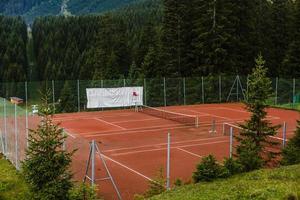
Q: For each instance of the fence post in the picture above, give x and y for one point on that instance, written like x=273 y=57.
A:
x=220 y=88
x=78 y=95
x=5 y=125
x=102 y=85
x=53 y=94
x=231 y=142
x=165 y=93
x=184 y=97
x=26 y=113
x=93 y=163
x=276 y=90
x=168 y=162
x=237 y=88
x=294 y=92
x=202 y=86
x=16 y=138
x=145 y=90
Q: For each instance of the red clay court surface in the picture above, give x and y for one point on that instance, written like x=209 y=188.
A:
x=134 y=144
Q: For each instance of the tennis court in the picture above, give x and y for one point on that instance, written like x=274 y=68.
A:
x=134 y=144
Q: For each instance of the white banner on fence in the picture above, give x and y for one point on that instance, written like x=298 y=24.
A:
x=114 y=97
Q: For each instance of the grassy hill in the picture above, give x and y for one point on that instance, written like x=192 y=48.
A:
x=12 y=187
x=282 y=183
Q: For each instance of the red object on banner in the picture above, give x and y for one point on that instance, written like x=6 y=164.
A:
x=135 y=94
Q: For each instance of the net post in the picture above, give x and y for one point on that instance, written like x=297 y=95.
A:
x=294 y=91
x=93 y=162
x=276 y=91
x=220 y=88
x=197 y=121
x=145 y=90
x=213 y=127
x=231 y=142
x=223 y=129
x=184 y=98
x=284 y=134
x=78 y=94
x=16 y=138
x=168 y=162
x=53 y=95
x=165 y=93
x=26 y=113
x=202 y=88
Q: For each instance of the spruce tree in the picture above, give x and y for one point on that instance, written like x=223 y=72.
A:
x=211 y=31
x=177 y=39
x=46 y=167
x=255 y=133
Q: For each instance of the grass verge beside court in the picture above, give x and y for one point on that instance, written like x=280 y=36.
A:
x=12 y=186
x=282 y=183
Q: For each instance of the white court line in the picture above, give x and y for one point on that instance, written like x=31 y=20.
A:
x=126 y=167
x=211 y=115
x=193 y=154
x=241 y=111
x=162 y=144
x=68 y=133
x=100 y=120
x=150 y=129
x=159 y=149
x=139 y=120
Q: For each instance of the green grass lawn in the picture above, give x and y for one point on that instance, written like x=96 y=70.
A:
x=12 y=187
x=278 y=184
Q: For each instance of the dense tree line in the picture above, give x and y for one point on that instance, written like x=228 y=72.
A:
x=95 y=47
x=157 y=38
x=13 y=41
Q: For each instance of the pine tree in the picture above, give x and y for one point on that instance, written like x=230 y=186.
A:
x=46 y=167
x=255 y=133
x=176 y=39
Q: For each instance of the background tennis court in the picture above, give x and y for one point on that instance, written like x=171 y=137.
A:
x=135 y=144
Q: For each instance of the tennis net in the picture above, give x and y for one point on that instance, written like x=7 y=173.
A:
x=191 y=120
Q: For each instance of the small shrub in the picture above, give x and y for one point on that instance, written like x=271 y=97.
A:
x=138 y=197
x=233 y=166
x=157 y=186
x=178 y=182
x=83 y=192
x=292 y=197
x=209 y=169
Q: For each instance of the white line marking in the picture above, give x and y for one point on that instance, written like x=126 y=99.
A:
x=211 y=115
x=190 y=152
x=126 y=167
x=100 y=120
x=149 y=129
x=68 y=133
x=160 y=149
x=162 y=144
